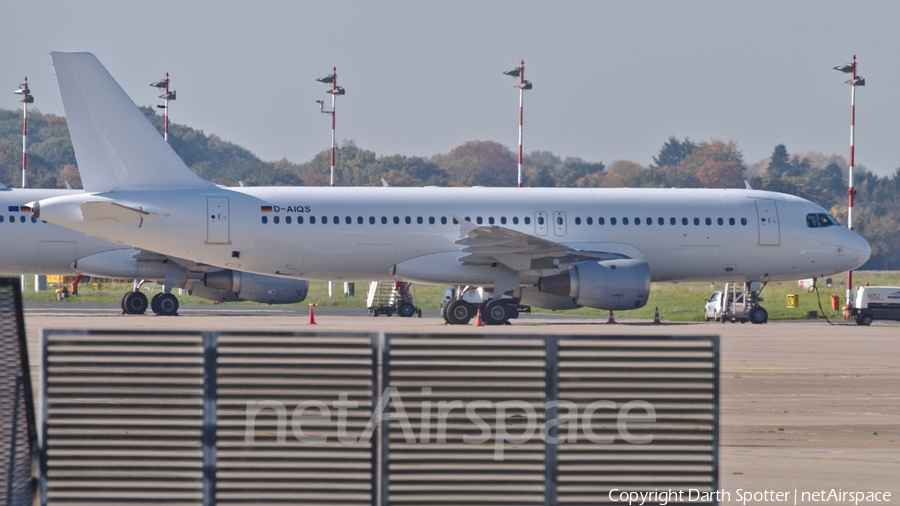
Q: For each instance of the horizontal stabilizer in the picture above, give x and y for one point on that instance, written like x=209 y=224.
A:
x=91 y=211
x=116 y=146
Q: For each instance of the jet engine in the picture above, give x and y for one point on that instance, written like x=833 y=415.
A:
x=608 y=284
x=253 y=287
x=532 y=297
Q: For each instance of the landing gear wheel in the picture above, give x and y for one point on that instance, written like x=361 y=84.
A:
x=134 y=303
x=459 y=312
x=168 y=304
x=406 y=309
x=154 y=303
x=495 y=312
x=759 y=315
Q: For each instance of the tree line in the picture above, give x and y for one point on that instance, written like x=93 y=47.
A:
x=679 y=163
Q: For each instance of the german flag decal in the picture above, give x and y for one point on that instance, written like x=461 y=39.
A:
x=265 y=209
x=25 y=209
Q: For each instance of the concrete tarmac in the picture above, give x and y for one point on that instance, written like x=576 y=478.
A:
x=805 y=406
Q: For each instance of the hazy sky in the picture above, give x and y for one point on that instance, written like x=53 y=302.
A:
x=612 y=80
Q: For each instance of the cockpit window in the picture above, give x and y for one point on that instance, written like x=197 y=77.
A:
x=820 y=220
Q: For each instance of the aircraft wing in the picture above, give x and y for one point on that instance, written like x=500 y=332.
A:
x=485 y=245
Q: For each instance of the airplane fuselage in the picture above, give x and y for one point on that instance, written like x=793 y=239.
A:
x=411 y=233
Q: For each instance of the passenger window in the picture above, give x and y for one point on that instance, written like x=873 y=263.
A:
x=744 y=221
x=478 y=220
x=577 y=220
x=491 y=220
x=649 y=221
x=431 y=220
x=299 y=220
x=287 y=220
x=624 y=221
x=324 y=220
x=468 y=219
x=12 y=219
x=275 y=219
x=396 y=220
x=419 y=220
x=612 y=221
x=359 y=220
x=384 y=220
x=33 y=219
x=672 y=221
x=408 y=220
x=589 y=220
x=696 y=221
x=337 y=220
x=528 y=220
x=720 y=221
x=515 y=220
x=637 y=221
x=503 y=220
x=540 y=220
x=661 y=221
x=22 y=218
x=371 y=220
x=444 y=220
x=265 y=220
x=455 y=221
x=684 y=221
x=312 y=220
x=348 y=220
x=559 y=220
x=602 y=221
x=731 y=221
x=708 y=221
x=2 y=219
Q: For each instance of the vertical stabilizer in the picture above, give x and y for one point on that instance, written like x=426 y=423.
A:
x=116 y=146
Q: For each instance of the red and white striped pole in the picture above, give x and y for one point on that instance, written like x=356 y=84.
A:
x=333 y=114
x=166 y=129
x=855 y=80
x=26 y=99
x=521 y=95
x=24 y=138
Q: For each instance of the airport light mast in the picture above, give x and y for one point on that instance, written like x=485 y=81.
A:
x=167 y=95
x=522 y=85
x=854 y=81
x=27 y=98
x=334 y=92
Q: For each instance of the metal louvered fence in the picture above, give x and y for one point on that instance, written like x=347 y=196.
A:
x=317 y=418
x=18 y=441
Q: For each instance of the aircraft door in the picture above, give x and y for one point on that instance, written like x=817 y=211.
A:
x=559 y=223
x=540 y=223
x=217 y=222
x=767 y=219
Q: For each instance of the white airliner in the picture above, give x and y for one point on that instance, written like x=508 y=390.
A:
x=554 y=248
x=33 y=246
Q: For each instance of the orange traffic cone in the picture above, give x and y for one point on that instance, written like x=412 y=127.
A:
x=478 y=321
x=612 y=318
x=312 y=316
x=656 y=317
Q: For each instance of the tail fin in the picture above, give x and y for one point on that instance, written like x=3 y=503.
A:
x=115 y=145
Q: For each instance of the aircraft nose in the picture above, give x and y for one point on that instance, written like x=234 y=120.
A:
x=857 y=249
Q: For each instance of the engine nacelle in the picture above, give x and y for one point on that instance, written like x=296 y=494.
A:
x=610 y=284
x=532 y=297
x=121 y=264
x=256 y=287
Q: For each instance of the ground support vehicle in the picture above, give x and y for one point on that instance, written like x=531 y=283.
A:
x=875 y=303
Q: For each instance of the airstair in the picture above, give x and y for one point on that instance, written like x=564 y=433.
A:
x=387 y=298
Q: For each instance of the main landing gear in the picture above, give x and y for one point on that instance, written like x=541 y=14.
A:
x=162 y=304
x=493 y=312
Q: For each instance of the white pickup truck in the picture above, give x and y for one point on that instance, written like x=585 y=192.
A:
x=876 y=303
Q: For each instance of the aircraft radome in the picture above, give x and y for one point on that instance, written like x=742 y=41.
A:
x=549 y=247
